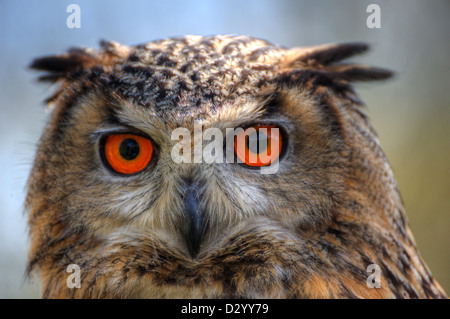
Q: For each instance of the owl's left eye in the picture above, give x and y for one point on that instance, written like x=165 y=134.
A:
x=259 y=145
x=127 y=153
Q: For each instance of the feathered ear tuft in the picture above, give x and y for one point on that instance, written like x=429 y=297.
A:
x=324 y=54
x=78 y=66
x=358 y=72
x=320 y=65
x=59 y=66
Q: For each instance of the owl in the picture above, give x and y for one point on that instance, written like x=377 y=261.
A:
x=299 y=200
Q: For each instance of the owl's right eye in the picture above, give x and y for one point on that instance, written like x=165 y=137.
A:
x=127 y=153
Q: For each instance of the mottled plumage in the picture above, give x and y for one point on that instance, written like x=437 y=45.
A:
x=308 y=231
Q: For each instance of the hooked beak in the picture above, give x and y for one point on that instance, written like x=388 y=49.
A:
x=192 y=230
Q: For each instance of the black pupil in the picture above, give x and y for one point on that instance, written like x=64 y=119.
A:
x=257 y=142
x=129 y=149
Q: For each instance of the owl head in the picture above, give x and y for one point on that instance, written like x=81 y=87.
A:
x=108 y=179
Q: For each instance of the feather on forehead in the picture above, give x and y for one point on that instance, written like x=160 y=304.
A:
x=192 y=70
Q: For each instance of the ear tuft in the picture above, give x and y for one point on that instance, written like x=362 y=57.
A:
x=59 y=66
x=324 y=54
x=358 y=72
x=78 y=66
x=323 y=61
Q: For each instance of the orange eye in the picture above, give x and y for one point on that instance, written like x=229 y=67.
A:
x=259 y=145
x=127 y=153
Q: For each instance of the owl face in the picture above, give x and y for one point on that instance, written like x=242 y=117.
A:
x=222 y=83
x=193 y=204
x=105 y=186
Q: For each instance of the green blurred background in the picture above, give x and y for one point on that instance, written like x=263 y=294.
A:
x=411 y=112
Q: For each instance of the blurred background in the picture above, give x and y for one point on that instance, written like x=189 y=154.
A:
x=411 y=112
